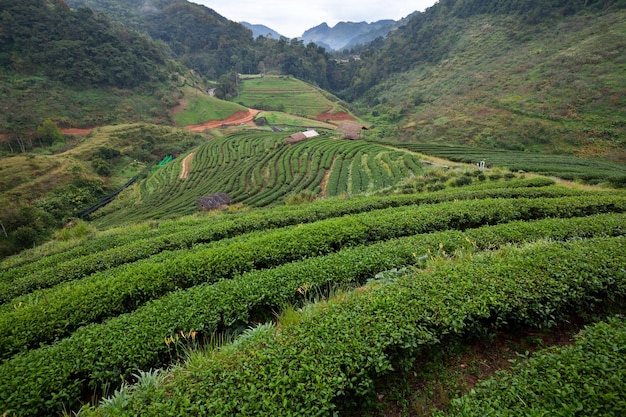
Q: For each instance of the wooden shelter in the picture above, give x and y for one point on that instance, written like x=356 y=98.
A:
x=215 y=201
x=351 y=130
x=300 y=136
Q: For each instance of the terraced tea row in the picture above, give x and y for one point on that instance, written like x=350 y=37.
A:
x=81 y=262
x=588 y=376
x=258 y=169
x=64 y=308
x=99 y=353
x=307 y=365
x=562 y=166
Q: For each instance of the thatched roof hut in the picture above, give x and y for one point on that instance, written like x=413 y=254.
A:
x=215 y=201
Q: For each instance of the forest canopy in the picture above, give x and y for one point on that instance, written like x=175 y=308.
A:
x=77 y=47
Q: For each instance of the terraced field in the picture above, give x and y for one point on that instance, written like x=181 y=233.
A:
x=257 y=168
x=589 y=170
x=288 y=95
x=405 y=271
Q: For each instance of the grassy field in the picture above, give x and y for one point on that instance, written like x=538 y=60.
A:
x=280 y=119
x=288 y=95
x=199 y=107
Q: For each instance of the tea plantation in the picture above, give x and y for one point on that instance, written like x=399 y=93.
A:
x=297 y=310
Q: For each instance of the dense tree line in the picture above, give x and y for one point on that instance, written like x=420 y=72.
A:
x=215 y=46
x=77 y=47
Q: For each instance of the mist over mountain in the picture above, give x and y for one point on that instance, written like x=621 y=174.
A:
x=345 y=35
x=261 y=30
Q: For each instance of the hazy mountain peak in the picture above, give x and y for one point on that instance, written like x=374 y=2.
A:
x=347 y=34
x=261 y=30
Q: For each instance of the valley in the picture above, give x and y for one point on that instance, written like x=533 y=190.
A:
x=198 y=222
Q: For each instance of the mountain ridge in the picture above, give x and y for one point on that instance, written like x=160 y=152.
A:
x=347 y=34
x=261 y=30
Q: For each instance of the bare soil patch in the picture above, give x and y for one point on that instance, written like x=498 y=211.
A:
x=325 y=182
x=438 y=376
x=239 y=118
x=76 y=131
x=186 y=166
x=180 y=107
x=340 y=116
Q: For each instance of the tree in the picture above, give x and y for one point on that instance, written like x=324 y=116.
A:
x=48 y=133
x=228 y=85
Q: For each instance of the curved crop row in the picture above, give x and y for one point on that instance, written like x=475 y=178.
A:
x=587 y=377
x=305 y=367
x=101 y=352
x=225 y=164
x=64 y=267
x=564 y=166
x=76 y=303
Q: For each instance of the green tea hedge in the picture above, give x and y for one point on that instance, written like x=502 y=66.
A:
x=81 y=262
x=95 y=356
x=62 y=309
x=306 y=366
x=587 y=378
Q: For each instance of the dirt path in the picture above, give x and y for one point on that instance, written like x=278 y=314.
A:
x=325 y=182
x=186 y=166
x=76 y=131
x=240 y=118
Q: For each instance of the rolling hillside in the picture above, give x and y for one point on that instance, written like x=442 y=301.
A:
x=377 y=277
x=257 y=168
x=544 y=77
x=140 y=297
x=41 y=192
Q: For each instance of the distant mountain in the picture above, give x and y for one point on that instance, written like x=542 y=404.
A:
x=261 y=30
x=203 y=39
x=345 y=35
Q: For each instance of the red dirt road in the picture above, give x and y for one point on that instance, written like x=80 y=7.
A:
x=335 y=117
x=239 y=118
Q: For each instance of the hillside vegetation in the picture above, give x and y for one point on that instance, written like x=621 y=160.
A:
x=79 y=69
x=150 y=291
x=489 y=75
x=42 y=191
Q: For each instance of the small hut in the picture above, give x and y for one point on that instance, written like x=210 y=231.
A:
x=351 y=130
x=215 y=201
x=300 y=136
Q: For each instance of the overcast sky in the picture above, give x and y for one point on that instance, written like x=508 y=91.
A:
x=291 y=18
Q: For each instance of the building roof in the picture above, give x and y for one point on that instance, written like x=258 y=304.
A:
x=350 y=127
x=300 y=136
x=214 y=201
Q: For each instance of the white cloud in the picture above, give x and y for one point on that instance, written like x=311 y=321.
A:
x=292 y=17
